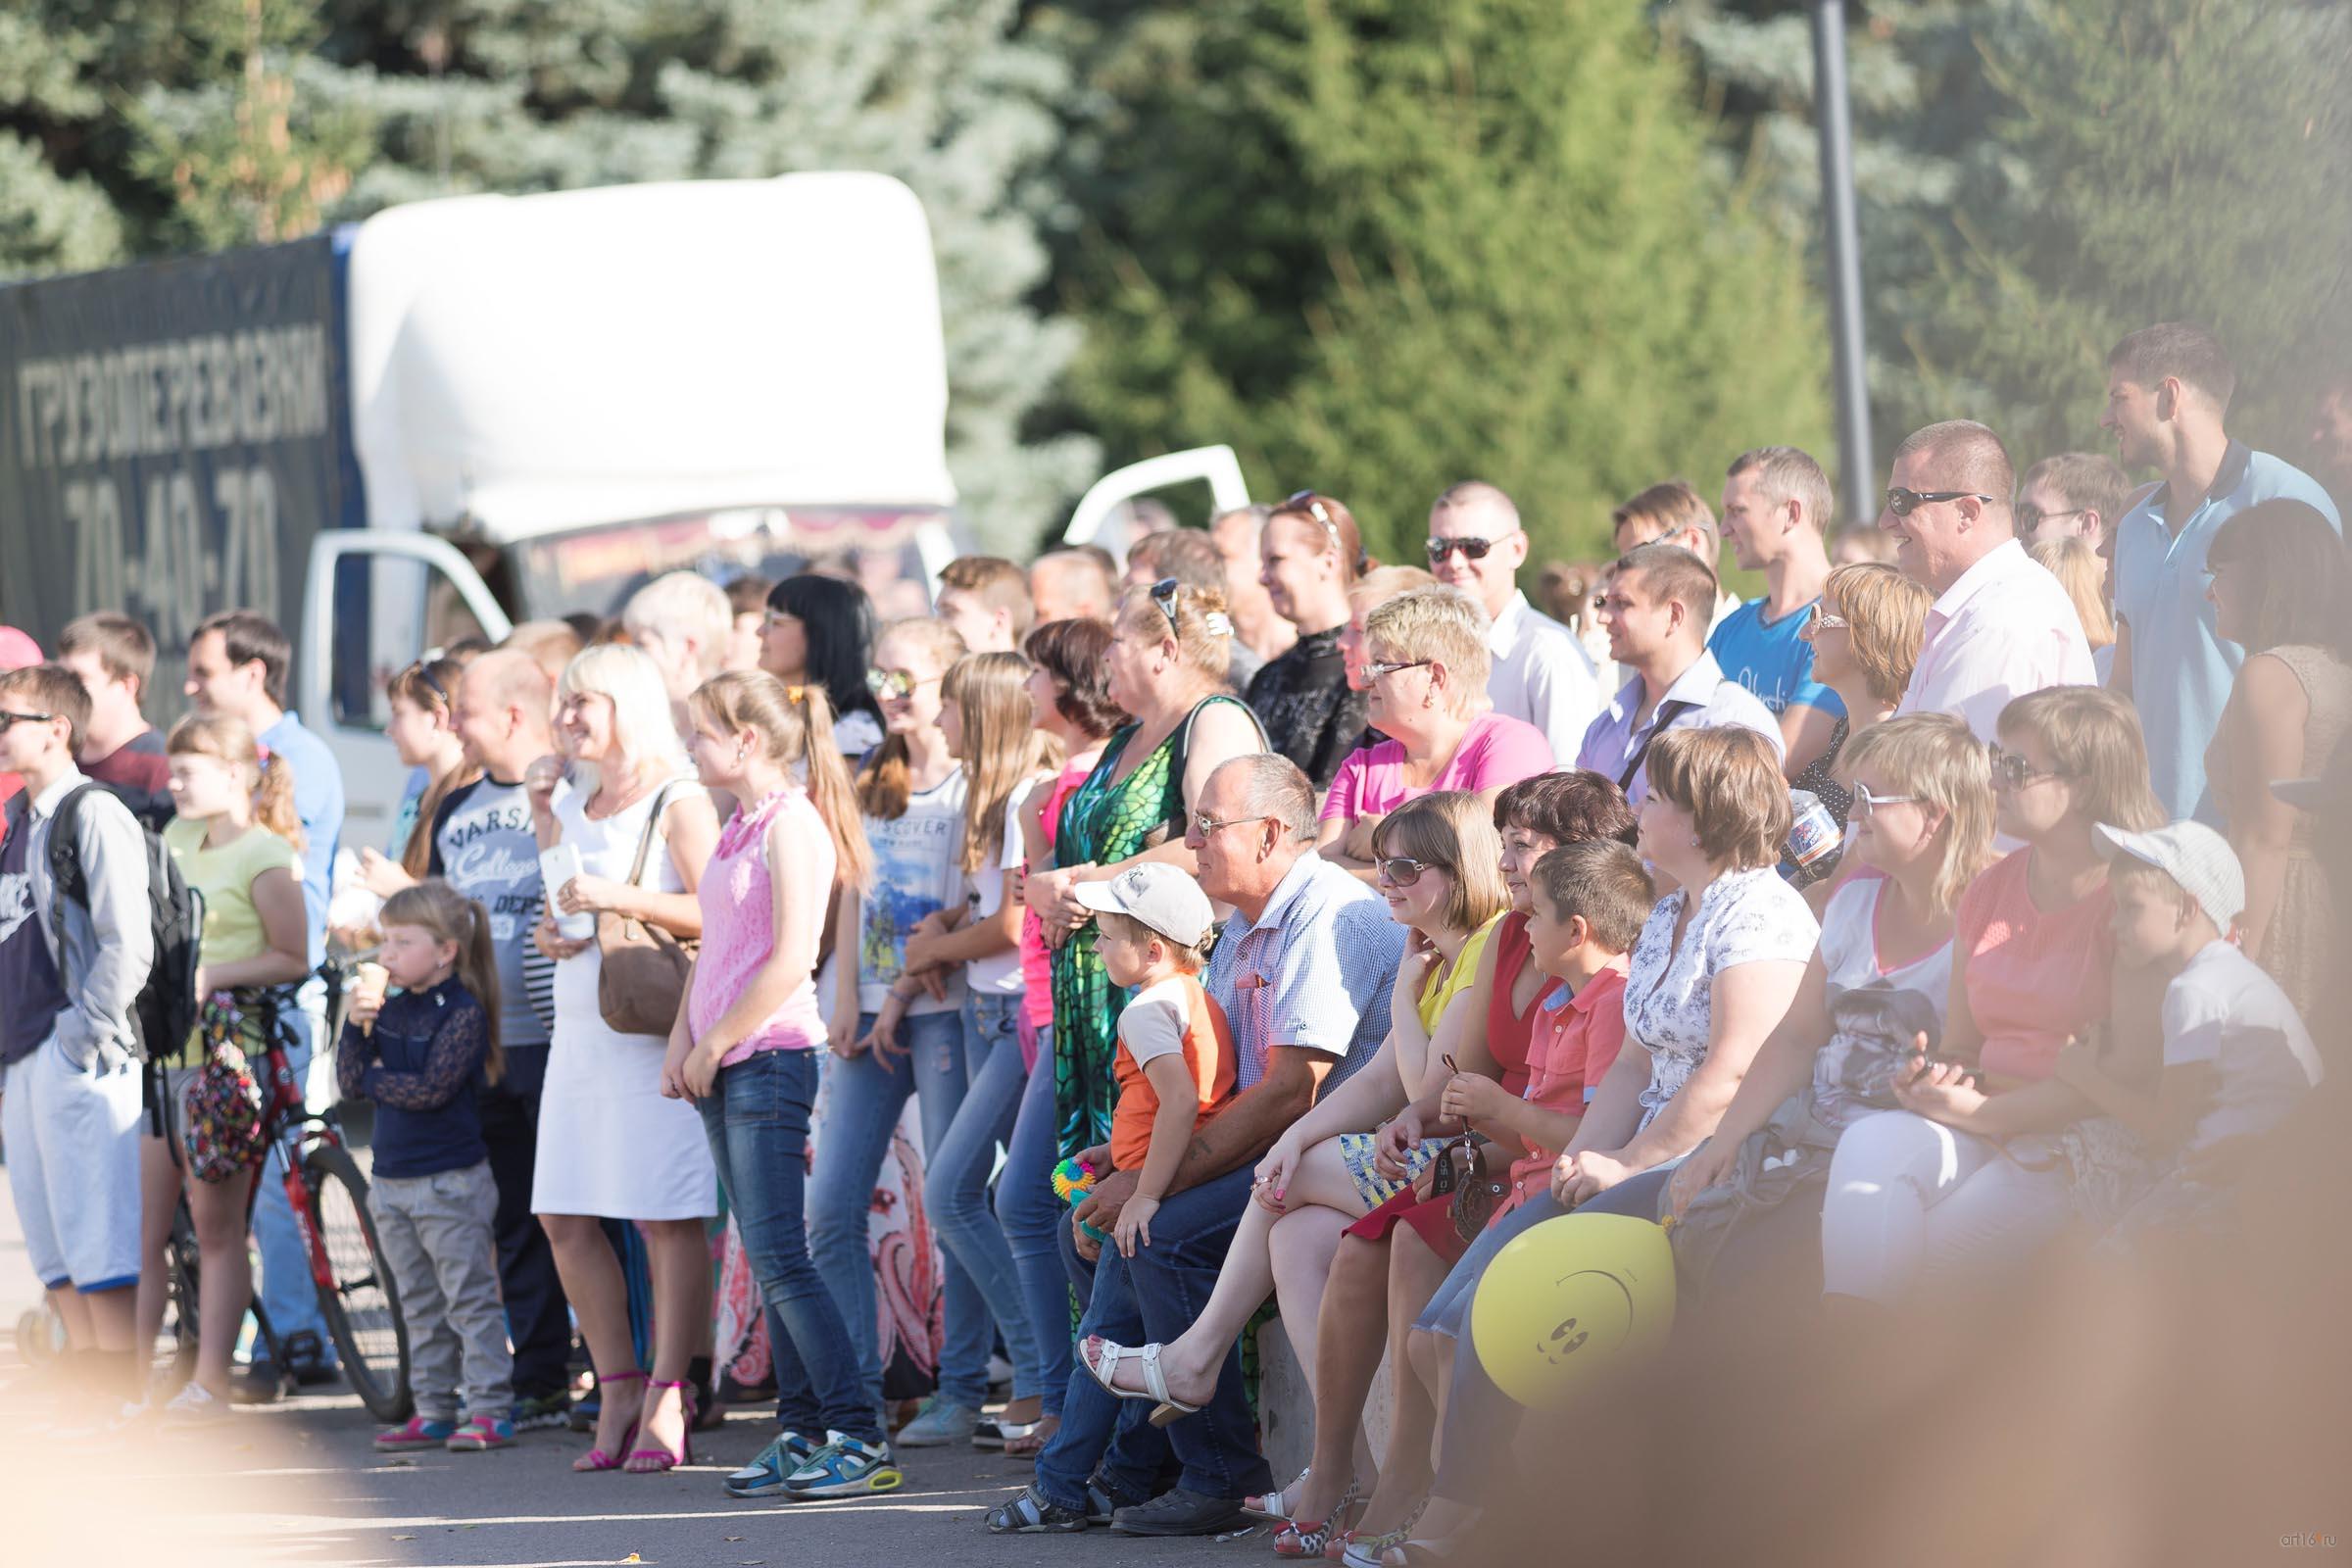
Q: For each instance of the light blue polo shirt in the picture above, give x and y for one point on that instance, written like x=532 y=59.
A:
x=2181 y=671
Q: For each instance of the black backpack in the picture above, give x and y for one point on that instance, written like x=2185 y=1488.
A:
x=164 y=1016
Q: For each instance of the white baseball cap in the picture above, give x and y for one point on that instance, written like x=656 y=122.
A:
x=2191 y=855
x=1162 y=897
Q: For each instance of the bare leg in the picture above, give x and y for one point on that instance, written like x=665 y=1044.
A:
x=1347 y=1347
x=1406 y=1470
x=75 y=1314
x=114 y=1317
x=1190 y=1362
x=1303 y=1244
x=225 y=1275
x=159 y=1201
x=599 y=1296
x=679 y=1259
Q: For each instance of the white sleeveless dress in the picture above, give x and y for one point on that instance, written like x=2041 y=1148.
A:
x=609 y=1143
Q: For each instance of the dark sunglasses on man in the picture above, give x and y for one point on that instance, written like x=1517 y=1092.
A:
x=1472 y=548
x=1902 y=503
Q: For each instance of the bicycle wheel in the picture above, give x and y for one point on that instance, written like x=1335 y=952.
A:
x=361 y=1305
x=180 y=1283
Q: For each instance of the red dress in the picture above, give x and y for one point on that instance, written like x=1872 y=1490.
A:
x=1507 y=1034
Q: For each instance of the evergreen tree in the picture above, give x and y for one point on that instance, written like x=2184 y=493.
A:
x=1382 y=246
x=2174 y=160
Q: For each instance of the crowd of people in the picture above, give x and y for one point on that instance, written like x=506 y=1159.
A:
x=1249 y=923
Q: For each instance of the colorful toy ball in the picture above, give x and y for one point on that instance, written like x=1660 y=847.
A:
x=1072 y=1181
x=1570 y=1296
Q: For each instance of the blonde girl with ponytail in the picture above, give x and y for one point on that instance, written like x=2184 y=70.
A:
x=745 y=1049
x=239 y=845
x=423 y=1054
x=991 y=726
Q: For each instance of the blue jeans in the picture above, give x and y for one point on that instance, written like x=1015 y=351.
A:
x=1034 y=1221
x=1481 y=1420
x=1155 y=1296
x=758 y=1124
x=866 y=1094
x=957 y=1169
x=287 y=1293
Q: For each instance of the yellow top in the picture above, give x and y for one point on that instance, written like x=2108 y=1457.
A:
x=1450 y=981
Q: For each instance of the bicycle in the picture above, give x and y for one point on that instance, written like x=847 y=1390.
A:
x=328 y=1195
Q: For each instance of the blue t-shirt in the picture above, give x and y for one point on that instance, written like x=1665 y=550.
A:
x=2181 y=671
x=1770 y=659
x=319 y=803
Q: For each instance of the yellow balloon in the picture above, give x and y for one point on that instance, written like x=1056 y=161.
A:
x=1570 y=1295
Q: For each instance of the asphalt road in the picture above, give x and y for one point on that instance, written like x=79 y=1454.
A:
x=299 y=1483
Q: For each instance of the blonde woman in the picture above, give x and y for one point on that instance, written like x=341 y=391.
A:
x=1866 y=629
x=1441 y=871
x=2076 y=566
x=1366 y=593
x=1925 y=1194
x=1426 y=671
x=610 y=1145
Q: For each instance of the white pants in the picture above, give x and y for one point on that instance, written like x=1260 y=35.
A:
x=1913 y=1204
x=73 y=1137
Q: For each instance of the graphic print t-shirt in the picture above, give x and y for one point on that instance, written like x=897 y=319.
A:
x=482 y=845
x=915 y=873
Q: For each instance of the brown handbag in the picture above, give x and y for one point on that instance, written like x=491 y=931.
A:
x=1461 y=1174
x=642 y=983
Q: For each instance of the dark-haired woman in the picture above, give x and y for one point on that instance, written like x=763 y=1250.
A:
x=2281 y=589
x=1309 y=554
x=820 y=630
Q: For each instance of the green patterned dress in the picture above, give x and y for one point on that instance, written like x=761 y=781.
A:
x=1105 y=819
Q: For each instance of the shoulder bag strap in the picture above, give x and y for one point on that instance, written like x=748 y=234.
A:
x=652 y=826
x=1666 y=715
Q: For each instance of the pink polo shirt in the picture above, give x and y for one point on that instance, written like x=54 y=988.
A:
x=2033 y=976
x=1494 y=750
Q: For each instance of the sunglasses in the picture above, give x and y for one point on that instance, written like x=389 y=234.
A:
x=1400 y=871
x=2011 y=771
x=1375 y=668
x=896 y=685
x=6 y=718
x=422 y=669
x=2030 y=517
x=1163 y=594
x=1866 y=803
x=1902 y=503
x=1309 y=504
x=1823 y=620
x=1472 y=548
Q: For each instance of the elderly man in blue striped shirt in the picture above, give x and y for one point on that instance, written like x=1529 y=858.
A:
x=1302 y=969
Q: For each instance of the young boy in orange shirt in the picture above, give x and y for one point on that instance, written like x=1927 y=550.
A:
x=1175 y=1063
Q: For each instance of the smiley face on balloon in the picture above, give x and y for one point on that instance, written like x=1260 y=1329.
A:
x=1568 y=1296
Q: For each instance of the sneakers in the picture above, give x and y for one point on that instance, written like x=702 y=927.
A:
x=1033 y=1513
x=194 y=1408
x=542 y=1412
x=938 y=1424
x=766 y=1475
x=417 y=1433
x=258 y=1381
x=482 y=1434
x=309 y=1360
x=843 y=1467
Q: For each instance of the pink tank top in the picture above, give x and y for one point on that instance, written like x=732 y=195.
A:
x=739 y=924
x=1037 y=964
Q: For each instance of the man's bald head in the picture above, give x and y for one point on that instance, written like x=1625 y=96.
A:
x=503 y=704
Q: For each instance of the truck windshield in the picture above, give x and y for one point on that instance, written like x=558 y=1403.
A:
x=594 y=570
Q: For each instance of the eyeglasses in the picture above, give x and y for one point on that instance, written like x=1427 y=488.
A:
x=895 y=685
x=1866 y=803
x=2011 y=770
x=1205 y=824
x=6 y=718
x=2030 y=517
x=1823 y=620
x=1375 y=668
x=1399 y=871
x=1902 y=503
x=1309 y=504
x=1471 y=546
